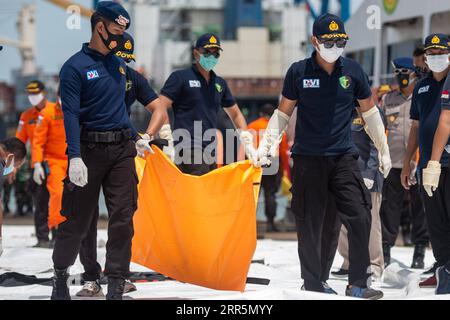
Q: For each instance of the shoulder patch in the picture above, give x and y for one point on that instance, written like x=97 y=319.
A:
x=195 y=84
x=424 y=89
x=345 y=82
x=91 y=75
x=129 y=85
x=311 y=83
x=445 y=95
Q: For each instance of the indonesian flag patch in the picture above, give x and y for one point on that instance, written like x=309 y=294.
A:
x=446 y=95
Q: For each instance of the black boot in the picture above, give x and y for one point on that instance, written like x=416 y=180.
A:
x=60 y=286
x=386 y=254
x=418 y=257
x=116 y=287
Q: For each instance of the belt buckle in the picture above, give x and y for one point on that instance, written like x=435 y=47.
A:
x=111 y=137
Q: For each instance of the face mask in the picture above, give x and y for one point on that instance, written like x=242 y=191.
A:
x=114 y=41
x=404 y=80
x=7 y=170
x=35 y=99
x=208 y=63
x=330 y=55
x=437 y=63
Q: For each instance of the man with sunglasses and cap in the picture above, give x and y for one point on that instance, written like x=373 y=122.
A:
x=12 y=156
x=431 y=104
x=25 y=132
x=196 y=94
x=137 y=89
x=327 y=183
x=396 y=106
x=102 y=145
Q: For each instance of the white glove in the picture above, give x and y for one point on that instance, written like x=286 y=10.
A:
x=166 y=133
x=1 y=247
x=369 y=183
x=143 y=145
x=272 y=136
x=385 y=163
x=375 y=130
x=250 y=151
x=38 y=174
x=78 y=172
x=431 y=177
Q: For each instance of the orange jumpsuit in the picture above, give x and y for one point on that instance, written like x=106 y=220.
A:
x=259 y=126
x=49 y=145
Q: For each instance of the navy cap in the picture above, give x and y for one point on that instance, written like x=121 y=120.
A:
x=404 y=63
x=35 y=87
x=127 y=51
x=114 y=12
x=437 y=41
x=208 y=40
x=328 y=27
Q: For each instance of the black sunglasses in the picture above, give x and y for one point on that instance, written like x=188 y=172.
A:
x=341 y=43
x=208 y=53
x=401 y=71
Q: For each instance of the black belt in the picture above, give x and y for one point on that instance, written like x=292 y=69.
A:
x=106 y=136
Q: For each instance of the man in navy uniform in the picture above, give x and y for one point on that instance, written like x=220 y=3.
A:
x=196 y=95
x=430 y=97
x=137 y=89
x=102 y=146
x=326 y=173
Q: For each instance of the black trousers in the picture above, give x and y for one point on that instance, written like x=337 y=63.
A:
x=270 y=185
x=325 y=191
x=437 y=209
x=112 y=167
x=41 y=197
x=392 y=205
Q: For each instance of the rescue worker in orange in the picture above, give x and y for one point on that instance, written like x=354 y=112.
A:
x=25 y=132
x=49 y=154
x=270 y=183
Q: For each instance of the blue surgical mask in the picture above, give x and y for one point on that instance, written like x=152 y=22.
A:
x=208 y=63
x=7 y=170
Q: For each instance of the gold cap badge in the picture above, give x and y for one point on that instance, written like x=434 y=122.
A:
x=334 y=26
x=212 y=39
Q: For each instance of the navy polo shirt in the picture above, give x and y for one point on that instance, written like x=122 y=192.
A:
x=138 y=89
x=93 y=95
x=325 y=105
x=426 y=108
x=196 y=100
